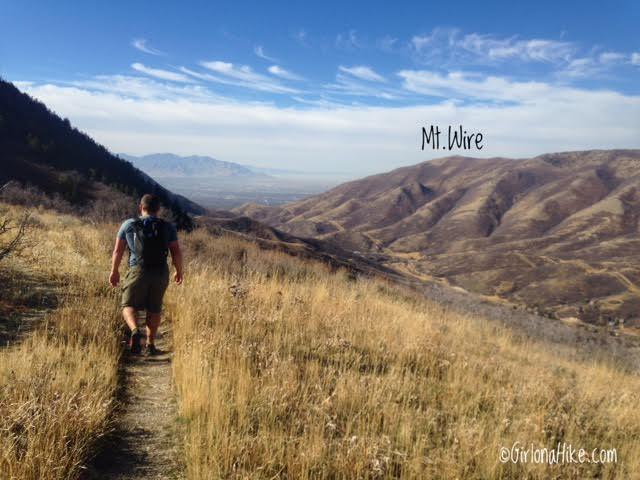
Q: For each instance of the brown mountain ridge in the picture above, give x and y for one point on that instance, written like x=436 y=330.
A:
x=557 y=232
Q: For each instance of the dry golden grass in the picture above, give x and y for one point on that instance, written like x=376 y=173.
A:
x=57 y=387
x=285 y=370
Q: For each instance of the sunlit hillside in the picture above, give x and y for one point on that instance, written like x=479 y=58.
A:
x=57 y=382
x=285 y=369
x=557 y=233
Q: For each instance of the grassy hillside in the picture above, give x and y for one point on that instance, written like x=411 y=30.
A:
x=283 y=369
x=57 y=385
x=558 y=232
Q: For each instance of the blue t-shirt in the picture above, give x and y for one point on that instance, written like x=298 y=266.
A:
x=127 y=233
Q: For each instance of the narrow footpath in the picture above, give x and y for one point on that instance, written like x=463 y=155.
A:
x=145 y=441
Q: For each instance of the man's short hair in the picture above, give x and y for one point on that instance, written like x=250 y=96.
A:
x=150 y=203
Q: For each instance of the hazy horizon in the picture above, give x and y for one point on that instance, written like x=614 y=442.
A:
x=335 y=93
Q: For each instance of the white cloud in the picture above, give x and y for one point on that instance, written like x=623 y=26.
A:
x=178 y=109
x=241 y=72
x=282 y=73
x=323 y=102
x=362 y=139
x=363 y=73
x=466 y=85
x=451 y=45
x=142 y=88
x=244 y=76
x=161 y=74
x=421 y=42
x=259 y=51
x=349 y=85
x=141 y=44
x=611 y=57
x=202 y=76
x=592 y=65
x=535 y=50
x=581 y=67
x=451 y=49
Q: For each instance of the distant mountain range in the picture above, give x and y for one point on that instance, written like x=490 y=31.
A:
x=558 y=232
x=42 y=150
x=170 y=165
x=39 y=148
x=161 y=165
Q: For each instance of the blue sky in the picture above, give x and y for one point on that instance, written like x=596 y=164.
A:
x=330 y=85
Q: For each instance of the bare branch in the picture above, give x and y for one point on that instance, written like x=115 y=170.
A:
x=20 y=227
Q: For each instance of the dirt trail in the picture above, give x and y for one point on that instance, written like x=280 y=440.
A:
x=145 y=442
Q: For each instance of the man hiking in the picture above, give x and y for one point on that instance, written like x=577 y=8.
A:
x=149 y=239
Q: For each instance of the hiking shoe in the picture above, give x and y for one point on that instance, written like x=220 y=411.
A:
x=134 y=343
x=152 y=350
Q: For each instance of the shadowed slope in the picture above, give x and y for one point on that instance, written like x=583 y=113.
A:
x=38 y=147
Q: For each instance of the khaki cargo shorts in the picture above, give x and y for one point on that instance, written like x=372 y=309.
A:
x=143 y=289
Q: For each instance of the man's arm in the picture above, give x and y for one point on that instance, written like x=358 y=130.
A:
x=116 y=258
x=176 y=258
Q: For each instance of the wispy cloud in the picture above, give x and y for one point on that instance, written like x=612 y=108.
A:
x=363 y=138
x=161 y=74
x=452 y=50
x=198 y=75
x=527 y=95
x=348 y=85
x=244 y=76
x=467 y=85
x=535 y=50
x=322 y=102
x=141 y=44
x=259 y=51
x=439 y=43
x=593 y=64
x=282 y=73
x=348 y=41
x=241 y=72
x=451 y=44
x=387 y=43
x=611 y=57
x=143 y=88
x=581 y=67
x=363 y=72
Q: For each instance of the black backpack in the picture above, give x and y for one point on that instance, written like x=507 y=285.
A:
x=153 y=234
